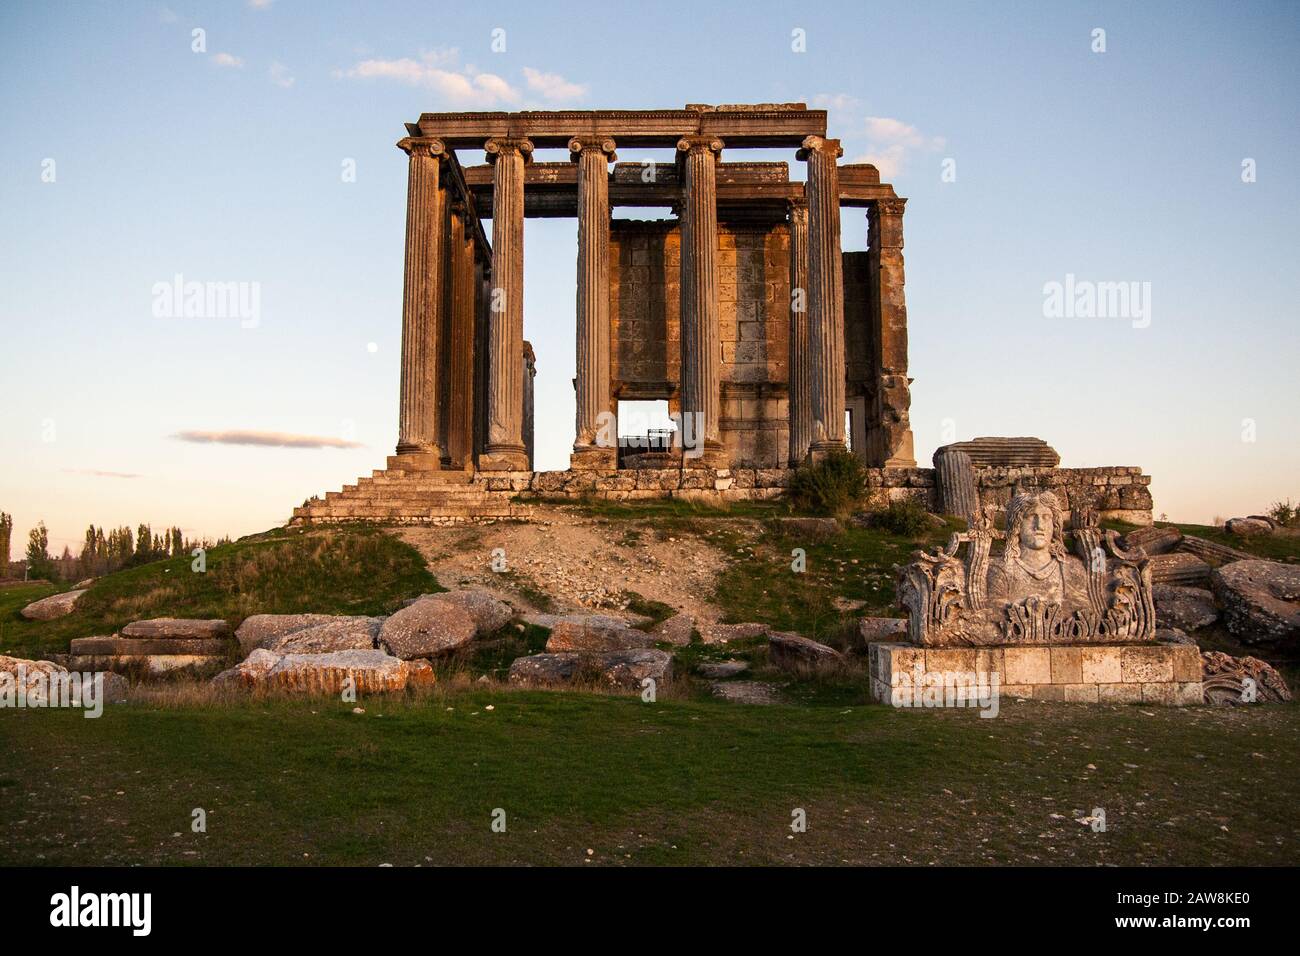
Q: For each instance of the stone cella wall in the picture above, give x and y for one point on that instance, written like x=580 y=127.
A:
x=1116 y=493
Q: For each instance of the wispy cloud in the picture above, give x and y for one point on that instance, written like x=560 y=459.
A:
x=260 y=4
x=95 y=473
x=167 y=15
x=280 y=75
x=552 y=86
x=463 y=85
x=227 y=59
x=264 y=439
x=891 y=143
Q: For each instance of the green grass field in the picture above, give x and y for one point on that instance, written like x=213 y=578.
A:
x=677 y=782
x=687 y=780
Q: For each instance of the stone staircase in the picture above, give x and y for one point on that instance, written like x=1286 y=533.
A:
x=406 y=493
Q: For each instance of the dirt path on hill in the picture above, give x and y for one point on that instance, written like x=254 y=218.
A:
x=579 y=563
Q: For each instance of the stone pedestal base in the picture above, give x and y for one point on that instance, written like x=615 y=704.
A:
x=503 y=459
x=416 y=461
x=593 y=459
x=1168 y=674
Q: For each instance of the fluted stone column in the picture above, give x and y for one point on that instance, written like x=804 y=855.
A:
x=421 y=299
x=701 y=365
x=800 y=355
x=460 y=342
x=505 y=413
x=825 y=294
x=592 y=369
x=889 y=433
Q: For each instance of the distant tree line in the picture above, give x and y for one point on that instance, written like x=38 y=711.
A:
x=101 y=553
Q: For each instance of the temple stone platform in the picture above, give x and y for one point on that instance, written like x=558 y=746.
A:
x=1157 y=674
x=414 y=491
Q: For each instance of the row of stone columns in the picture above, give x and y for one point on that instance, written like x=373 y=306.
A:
x=447 y=296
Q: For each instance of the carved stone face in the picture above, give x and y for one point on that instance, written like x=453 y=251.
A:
x=1036 y=528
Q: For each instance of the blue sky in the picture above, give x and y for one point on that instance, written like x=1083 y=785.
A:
x=1123 y=165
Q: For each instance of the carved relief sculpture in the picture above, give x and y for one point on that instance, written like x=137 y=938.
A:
x=1034 y=591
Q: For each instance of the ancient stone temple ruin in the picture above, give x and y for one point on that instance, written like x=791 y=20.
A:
x=769 y=344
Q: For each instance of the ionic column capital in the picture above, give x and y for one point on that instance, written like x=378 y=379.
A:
x=590 y=144
x=426 y=146
x=697 y=144
x=820 y=144
x=503 y=145
x=888 y=207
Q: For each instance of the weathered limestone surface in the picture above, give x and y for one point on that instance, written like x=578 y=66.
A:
x=1036 y=591
x=1179 y=568
x=261 y=630
x=1187 y=609
x=505 y=445
x=624 y=669
x=596 y=634
x=889 y=432
x=54 y=606
x=490 y=614
x=113 y=646
x=1231 y=681
x=177 y=627
x=954 y=475
x=825 y=294
x=1007 y=452
x=340 y=634
x=796 y=652
x=593 y=337
x=1261 y=600
x=1160 y=674
x=700 y=373
x=427 y=628
x=801 y=426
x=676 y=630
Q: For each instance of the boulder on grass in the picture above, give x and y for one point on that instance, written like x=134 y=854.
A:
x=796 y=652
x=427 y=628
x=595 y=633
x=250 y=671
x=727 y=633
x=490 y=614
x=1261 y=600
x=745 y=692
x=371 y=672
x=721 y=670
x=54 y=606
x=676 y=630
x=43 y=682
x=178 y=627
x=1225 y=677
x=622 y=669
x=882 y=628
x=262 y=630
x=1248 y=527
x=1187 y=609
x=143 y=647
x=336 y=634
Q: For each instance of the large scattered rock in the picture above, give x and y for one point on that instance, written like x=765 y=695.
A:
x=1248 y=527
x=54 y=606
x=721 y=670
x=262 y=630
x=140 y=646
x=796 y=652
x=40 y=682
x=1179 y=567
x=1153 y=540
x=745 y=692
x=727 y=633
x=371 y=672
x=621 y=669
x=595 y=633
x=252 y=670
x=1187 y=609
x=150 y=665
x=1261 y=600
x=490 y=614
x=1212 y=551
x=1224 y=680
x=336 y=634
x=427 y=628
x=163 y=628
x=882 y=628
x=676 y=630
